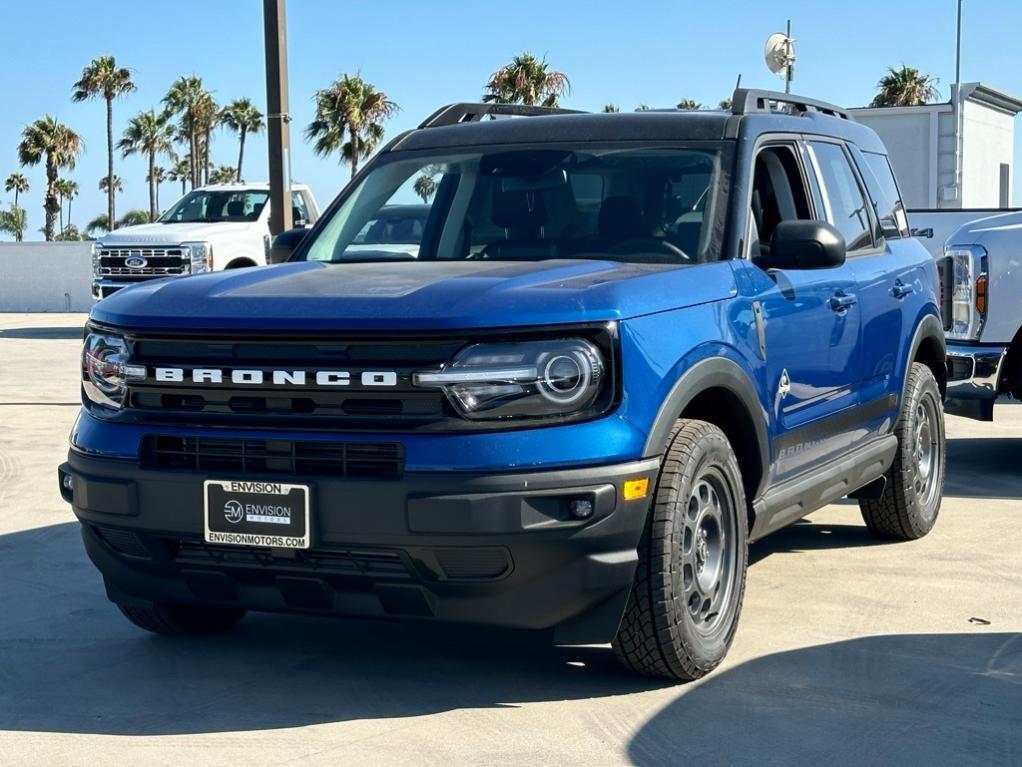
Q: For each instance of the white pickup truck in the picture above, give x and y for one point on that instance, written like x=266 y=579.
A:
x=220 y=226
x=979 y=255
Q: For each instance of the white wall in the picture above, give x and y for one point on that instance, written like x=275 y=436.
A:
x=45 y=276
x=988 y=140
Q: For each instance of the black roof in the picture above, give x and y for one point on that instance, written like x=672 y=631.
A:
x=755 y=112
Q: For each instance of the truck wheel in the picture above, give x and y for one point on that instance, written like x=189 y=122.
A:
x=915 y=482
x=182 y=620
x=684 y=606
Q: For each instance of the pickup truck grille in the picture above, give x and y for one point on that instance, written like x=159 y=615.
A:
x=158 y=262
x=373 y=460
x=270 y=381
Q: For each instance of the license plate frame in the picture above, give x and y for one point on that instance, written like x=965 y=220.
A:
x=256 y=513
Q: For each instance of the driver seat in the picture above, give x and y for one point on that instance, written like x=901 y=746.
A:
x=522 y=215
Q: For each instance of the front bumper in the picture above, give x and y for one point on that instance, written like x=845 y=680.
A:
x=494 y=549
x=974 y=374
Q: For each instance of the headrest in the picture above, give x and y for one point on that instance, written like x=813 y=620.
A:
x=236 y=208
x=519 y=210
x=620 y=217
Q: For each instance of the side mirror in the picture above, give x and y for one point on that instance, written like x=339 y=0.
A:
x=285 y=243
x=804 y=245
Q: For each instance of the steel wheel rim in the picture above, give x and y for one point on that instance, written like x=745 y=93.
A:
x=925 y=452
x=708 y=551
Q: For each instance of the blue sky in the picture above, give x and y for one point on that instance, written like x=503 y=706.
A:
x=423 y=54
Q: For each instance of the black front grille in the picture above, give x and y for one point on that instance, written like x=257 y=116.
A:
x=384 y=460
x=373 y=563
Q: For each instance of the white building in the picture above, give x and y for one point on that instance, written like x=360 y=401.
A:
x=940 y=167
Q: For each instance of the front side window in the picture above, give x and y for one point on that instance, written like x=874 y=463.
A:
x=202 y=206
x=527 y=204
x=842 y=197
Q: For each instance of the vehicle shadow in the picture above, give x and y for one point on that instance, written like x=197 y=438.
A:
x=71 y=663
x=984 y=467
x=910 y=699
x=43 y=334
x=807 y=535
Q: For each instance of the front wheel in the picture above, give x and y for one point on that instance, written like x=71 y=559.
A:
x=910 y=502
x=687 y=595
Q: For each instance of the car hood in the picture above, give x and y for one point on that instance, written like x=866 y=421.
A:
x=414 y=295
x=174 y=234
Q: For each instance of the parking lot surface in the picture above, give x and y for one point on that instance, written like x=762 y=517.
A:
x=850 y=651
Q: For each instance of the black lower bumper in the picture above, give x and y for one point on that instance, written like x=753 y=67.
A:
x=498 y=549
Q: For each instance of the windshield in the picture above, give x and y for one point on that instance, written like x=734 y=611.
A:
x=215 y=206
x=650 y=205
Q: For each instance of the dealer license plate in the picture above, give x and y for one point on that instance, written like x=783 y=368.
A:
x=244 y=513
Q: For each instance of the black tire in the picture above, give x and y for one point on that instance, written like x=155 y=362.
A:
x=910 y=502
x=661 y=634
x=182 y=620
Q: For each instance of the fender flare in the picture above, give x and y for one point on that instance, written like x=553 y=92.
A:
x=930 y=328
x=713 y=373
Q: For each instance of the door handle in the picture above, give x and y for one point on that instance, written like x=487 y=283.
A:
x=841 y=302
x=901 y=289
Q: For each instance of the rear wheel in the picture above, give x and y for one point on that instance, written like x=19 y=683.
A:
x=182 y=620
x=683 y=610
x=909 y=505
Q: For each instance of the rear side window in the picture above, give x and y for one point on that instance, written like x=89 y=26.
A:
x=842 y=197
x=884 y=191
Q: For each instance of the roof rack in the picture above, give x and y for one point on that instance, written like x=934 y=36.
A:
x=748 y=100
x=467 y=112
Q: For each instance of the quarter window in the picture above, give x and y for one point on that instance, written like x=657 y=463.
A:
x=842 y=197
x=884 y=191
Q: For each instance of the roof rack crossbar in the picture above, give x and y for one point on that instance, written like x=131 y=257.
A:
x=749 y=100
x=467 y=112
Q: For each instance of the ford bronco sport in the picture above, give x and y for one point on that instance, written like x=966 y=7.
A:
x=626 y=346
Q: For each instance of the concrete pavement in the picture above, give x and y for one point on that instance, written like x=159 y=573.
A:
x=850 y=651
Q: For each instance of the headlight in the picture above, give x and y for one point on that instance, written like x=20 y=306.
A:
x=105 y=369
x=96 y=249
x=525 y=379
x=968 y=290
x=201 y=256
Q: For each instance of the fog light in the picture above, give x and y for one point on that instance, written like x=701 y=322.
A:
x=67 y=481
x=635 y=488
x=581 y=508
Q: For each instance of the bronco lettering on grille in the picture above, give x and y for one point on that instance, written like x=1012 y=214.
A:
x=382 y=378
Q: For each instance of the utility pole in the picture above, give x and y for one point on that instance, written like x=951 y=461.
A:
x=958 y=47
x=278 y=117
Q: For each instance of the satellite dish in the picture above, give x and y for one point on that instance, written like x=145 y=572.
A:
x=779 y=54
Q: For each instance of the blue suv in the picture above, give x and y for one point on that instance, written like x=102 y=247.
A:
x=623 y=347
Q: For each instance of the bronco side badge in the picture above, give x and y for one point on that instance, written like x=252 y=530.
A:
x=784 y=385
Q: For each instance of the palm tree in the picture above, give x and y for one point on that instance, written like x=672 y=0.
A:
x=185 y=98
x=17 y=183
x=207 y=117
x=689 y=104
x=643 y=107
x=425 y=186
x=224 y=174
x=181 y=171
x=150 y=134
x=102 y=77
x=526 y=80
x=242 y=117
x=349 y=119
x=158 y=175
x=117 y=185
x=609 y=108
x=66 y=190
x=99 y=224
x=725 y=104
x=14 y=221
x=905 y=87
x=134 y=218
x=49 y=141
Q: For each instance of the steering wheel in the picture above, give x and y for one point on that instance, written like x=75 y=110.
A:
x=650 y=245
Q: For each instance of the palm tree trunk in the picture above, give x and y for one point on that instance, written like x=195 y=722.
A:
x=157 y=196
x=50 y=205
x=354 y=151
x=69 y=212
x=241 y=153
x=110 y=162
x=15 y=196
x=152 y=186
x=182 y=186
x=60 y=212
x=205 y=155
